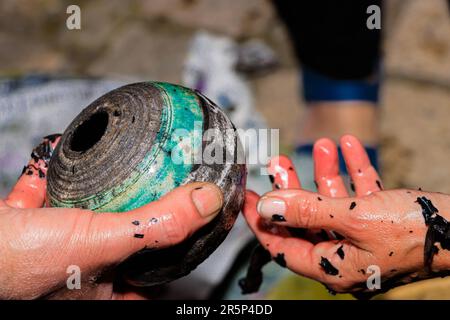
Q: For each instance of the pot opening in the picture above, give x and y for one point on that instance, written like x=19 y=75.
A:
x=89 y=132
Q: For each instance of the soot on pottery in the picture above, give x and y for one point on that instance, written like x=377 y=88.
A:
x=137 y=143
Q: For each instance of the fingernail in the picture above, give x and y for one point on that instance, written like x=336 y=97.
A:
x=271 y=208
x=208 y=199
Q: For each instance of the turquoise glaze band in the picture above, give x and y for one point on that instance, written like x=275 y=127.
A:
x=157 y=174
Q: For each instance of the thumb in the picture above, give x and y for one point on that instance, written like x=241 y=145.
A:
x=166 y=222
x=303 y=209
x=93 y=241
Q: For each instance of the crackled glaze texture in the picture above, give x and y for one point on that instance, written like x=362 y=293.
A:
x=135 y=144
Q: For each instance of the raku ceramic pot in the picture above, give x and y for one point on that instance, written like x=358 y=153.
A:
x=118 y=154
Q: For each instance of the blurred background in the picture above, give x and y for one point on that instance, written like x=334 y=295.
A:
x=153 y=40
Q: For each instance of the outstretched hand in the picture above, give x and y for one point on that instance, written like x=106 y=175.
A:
x=395 y=232
x=39 y=244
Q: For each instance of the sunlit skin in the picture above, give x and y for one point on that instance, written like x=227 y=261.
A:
x=383 y=228
x=38 y=244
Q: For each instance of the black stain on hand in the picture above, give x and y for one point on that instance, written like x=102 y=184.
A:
x=254 y=276
x=438 y=231
x=338 y=235
x=428 y=209
x=279 y=259
x=340 y=252
x=278 y=218
x=328 y=267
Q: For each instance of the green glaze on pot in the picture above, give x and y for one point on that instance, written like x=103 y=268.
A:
x=158 y=173
x=178 y=138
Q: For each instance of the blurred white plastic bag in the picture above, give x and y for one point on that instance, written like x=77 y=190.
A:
x=211 y=69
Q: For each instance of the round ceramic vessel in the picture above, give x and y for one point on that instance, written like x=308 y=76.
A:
x=135 y=144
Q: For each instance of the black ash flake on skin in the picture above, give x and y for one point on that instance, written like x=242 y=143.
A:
x=254 y=276
x=438 y=231
x=352 y=205
x=340 y=252
x=139 y=235
x=379 y=185
x=328 y=267
x=278 y=218
x=279 y=259
x=297 y=232
x=44 y=150
x=153 y=220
